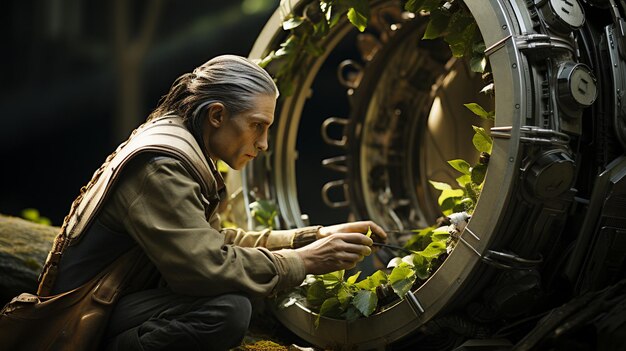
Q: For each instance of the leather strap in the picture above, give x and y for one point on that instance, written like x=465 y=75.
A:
x=116 y=279
x=166 y=135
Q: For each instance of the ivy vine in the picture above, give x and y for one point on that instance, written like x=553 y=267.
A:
x=335 y=295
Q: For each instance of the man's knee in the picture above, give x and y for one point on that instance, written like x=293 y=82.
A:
x=236 y=311
x=216 y=323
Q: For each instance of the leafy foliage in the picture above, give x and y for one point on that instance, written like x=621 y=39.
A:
x=472 y=177
x=332 y=295
x=306 y=33
x=33 y=215
x=264 y=213
x=453 y=22
x=449 y=20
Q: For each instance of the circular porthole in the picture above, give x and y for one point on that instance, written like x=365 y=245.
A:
x=376 y=116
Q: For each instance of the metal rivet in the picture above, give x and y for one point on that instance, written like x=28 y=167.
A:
x=510 y=159
x=514 y=65
x=516 y=105
x=504 y=26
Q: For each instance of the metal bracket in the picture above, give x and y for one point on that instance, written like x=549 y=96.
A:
x=415 y=304
x=533 y=135
x=509 y=261
x=620 y=27
x=618 y=68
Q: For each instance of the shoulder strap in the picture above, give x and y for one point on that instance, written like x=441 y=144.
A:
x=166 y=135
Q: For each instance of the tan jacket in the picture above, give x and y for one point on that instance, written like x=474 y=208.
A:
x=161 y=206
x=158 y=202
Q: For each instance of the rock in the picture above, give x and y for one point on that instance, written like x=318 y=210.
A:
x=24 y=247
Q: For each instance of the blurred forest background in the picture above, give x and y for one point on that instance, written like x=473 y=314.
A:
x=78 y=76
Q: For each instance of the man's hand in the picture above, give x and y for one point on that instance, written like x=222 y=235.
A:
x=378 y=234
x=335 y=252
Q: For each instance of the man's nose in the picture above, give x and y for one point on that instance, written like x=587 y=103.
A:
x=261 y=143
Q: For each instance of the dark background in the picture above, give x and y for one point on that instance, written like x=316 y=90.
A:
x=77 y=78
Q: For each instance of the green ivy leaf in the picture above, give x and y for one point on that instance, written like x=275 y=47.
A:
x=479 y=110
x=460 y=165
x=359 y=14
x=419 y=240
x=316 y=293
x=292 y=23
x=352 y=313
x=344 y=295
x=466 y=204
x=440 y=185
x=423 y=271
x=33 y=215
x=421 y=267
x=461 y=32
x=365 y=301
x=478 y=173
x=287 y=47
x=401 y=279
x=464 y=179
x=332 y=278
x=334 y=13
x=441 y=234
x=330 y=307
x=264 y=211
x=448 y=205
x=479 y=48
x=449 y=193
x=434 y=249
x=373 y=281
x=482 y=141
x=352 y=279
x=478 y=63
x=439 y=20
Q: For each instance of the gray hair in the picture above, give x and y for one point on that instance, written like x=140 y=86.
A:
x=231 y=80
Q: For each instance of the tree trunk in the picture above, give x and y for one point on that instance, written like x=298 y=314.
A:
x=24 y=247
x=129 y=50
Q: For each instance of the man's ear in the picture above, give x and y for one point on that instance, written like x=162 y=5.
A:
x=216 y=114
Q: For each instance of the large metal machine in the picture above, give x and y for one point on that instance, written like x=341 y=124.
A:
x=379 y=113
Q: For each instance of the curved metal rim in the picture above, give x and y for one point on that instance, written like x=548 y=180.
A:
x=498 y=25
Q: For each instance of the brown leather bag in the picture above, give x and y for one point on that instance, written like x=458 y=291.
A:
x=31 y=322
x=75 y=320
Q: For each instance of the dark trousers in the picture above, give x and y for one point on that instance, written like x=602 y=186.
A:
x=159 y=319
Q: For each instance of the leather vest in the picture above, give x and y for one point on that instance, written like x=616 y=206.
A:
x=165 y=135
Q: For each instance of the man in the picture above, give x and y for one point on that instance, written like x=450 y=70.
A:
x=165 y=204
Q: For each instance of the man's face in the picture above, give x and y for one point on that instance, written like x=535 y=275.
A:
x=241 y=137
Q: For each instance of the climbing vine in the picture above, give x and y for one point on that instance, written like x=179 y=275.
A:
x=334 y=294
